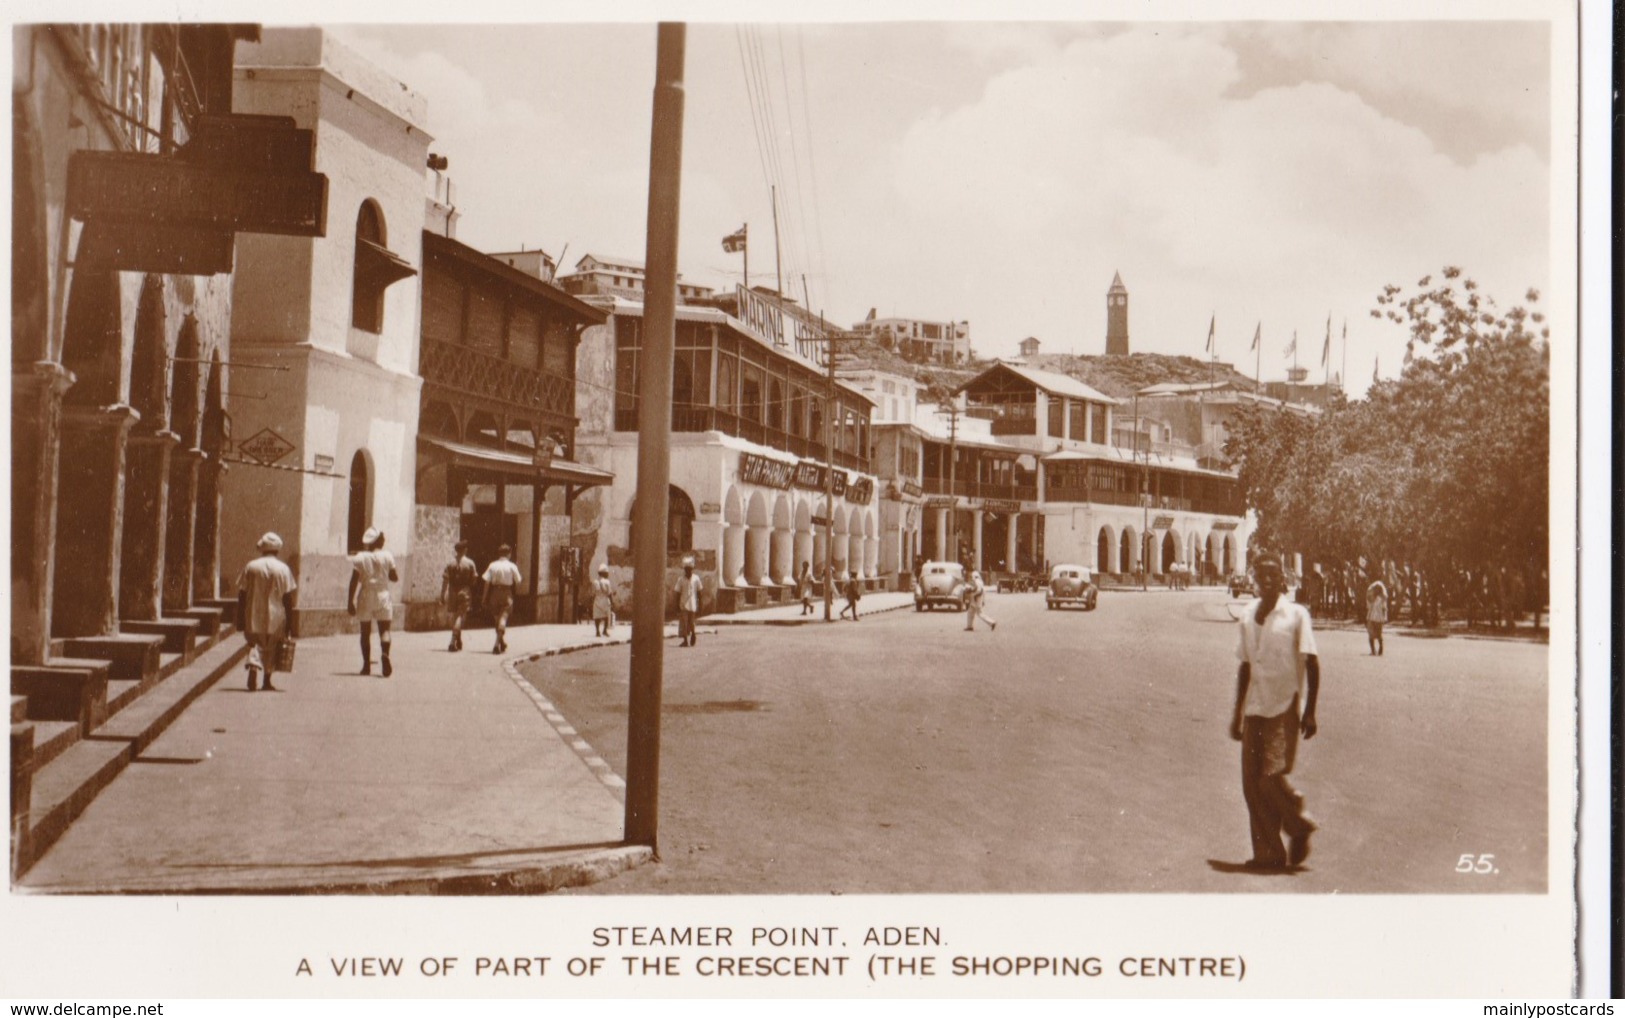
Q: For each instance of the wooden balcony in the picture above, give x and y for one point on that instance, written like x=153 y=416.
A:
x=492 y=380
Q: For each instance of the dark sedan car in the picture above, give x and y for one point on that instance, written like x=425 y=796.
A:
x=1071 y=585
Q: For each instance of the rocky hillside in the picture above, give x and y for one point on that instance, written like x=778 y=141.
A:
x=1115 y=375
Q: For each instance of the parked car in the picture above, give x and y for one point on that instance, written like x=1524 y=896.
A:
x=1241 y=585
x=941 y=583
x=1071 y=585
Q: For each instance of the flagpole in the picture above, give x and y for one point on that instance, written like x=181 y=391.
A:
x=776 y=266
x=1258 y=363
x=746 y=249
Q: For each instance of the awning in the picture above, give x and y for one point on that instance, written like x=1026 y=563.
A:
x=520 y=464
x=380 y=263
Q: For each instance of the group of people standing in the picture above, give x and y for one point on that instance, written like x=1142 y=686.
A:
x=850 y=588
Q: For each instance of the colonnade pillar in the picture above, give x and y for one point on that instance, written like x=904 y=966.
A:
x=146 y=524
x=85 y=582
x=36 y=442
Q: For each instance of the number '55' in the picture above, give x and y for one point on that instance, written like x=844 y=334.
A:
x=1470 y=863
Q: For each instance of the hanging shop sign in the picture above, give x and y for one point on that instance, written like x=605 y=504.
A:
x=912 y=490
x=1224 y=525
x=1162 y=522
x=237 y=174
x=861 y=491
x=769 y=473
x=809 y=475
x=942 y=502
x=1000 y=505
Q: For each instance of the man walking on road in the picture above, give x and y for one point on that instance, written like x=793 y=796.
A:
x=1376 y=613
x=369 y=600
x=1279 y=670
x=501 y=582
x=265 y=608
x=975 y=594
x=603 y=603
x=688 y=603
x=457 y=591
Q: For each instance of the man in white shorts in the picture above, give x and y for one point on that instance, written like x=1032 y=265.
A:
x=265 y=608
x=501 y=583
x=374 y=571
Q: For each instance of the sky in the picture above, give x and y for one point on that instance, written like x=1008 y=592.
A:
x=1251 y=174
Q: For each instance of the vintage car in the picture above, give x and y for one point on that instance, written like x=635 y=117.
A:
x=941 y=583
x=1071 y=585
x=1241 y=585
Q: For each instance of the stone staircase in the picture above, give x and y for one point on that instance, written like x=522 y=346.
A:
x=95 y=705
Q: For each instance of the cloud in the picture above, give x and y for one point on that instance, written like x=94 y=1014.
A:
x=1137 y=151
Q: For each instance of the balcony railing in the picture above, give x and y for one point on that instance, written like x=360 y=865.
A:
x=978 y=489
x=471 y=373
x=692 y=419
x=1099 y=496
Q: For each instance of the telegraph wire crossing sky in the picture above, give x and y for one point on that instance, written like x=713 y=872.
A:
x=1261 y=176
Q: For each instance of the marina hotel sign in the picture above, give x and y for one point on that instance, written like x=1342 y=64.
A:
x=772 y=473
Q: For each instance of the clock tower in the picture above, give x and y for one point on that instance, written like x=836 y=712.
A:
x=1117 y=317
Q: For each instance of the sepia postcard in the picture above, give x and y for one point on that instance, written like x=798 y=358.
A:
x=705 y=501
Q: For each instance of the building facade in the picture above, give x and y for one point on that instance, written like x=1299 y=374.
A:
x=497 y=430
x=607 y=276
x=122 y=300
x=919 y=339
x=758 y=432
x=325 y=399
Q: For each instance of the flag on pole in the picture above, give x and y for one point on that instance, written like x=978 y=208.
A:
x=735 y=241
x=1256 y=334
x=1292 y=347
x=1326 y=350
x=1211 y=322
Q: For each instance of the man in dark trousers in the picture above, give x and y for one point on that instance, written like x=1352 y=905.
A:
x=265 y=597
x=1279 y=671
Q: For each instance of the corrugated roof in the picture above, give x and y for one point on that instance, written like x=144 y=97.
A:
x=1051 y=382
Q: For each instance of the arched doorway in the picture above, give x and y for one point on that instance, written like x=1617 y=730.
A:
x=1105 y=561
x=781 y=566
x=360 y=510
x=733 y=539
x=1170 y=550
x=757 y=532
x=1128 y=551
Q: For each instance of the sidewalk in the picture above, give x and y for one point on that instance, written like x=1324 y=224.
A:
x=454 y=776
x=451 y=777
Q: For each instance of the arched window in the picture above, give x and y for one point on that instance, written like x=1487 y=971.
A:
x=360 y=499
x=679 y=523
x=376 y=267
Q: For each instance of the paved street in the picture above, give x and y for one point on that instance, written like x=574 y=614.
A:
x=1066 y=752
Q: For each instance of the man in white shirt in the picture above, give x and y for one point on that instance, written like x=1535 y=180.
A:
x=1279 y=670
x=688 y=604
x=265 y=594
x=372 y=571
x=501 y=583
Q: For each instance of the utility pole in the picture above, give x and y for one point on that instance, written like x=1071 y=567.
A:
x=829 y=477
x=1145 y=497
x=953 y=493
x=654 y=444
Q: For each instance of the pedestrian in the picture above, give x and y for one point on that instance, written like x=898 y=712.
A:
x=804 y=588
x=975 y=596
x=373 y=570
x=1278 y=670
x=265 y=596
x=501 y=582
x=603 y=603
x=688 y=603
x=853 y=593
x=1376 y=613
x=457 y=591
